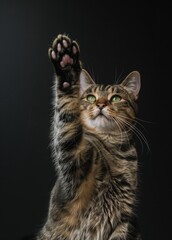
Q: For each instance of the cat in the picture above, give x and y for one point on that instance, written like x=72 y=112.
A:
x=95 y=156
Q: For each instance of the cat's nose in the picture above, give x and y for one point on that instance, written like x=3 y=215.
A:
x=101 y=105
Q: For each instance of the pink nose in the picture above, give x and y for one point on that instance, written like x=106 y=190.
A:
x=101 y=105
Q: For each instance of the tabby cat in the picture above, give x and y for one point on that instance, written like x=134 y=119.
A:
x=95 y=157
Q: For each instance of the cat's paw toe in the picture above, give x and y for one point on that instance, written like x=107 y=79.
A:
x=64 y=52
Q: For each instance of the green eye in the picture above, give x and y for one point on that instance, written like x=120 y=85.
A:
x=116 y=99
x=91 y=98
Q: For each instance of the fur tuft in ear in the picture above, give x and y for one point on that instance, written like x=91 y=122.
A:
x=85 y=81
x=132 y=83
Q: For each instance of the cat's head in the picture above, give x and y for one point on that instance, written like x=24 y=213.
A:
x=109 y=108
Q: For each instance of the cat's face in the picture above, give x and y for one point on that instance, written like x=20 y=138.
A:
x=109 y=108
x=106 y=108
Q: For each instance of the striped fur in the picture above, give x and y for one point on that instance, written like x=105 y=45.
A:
x=94 y=153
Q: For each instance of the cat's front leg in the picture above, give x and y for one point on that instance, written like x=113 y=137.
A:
x=67 y=129
x=64 y=55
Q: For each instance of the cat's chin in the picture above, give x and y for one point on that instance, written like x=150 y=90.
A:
x=100 y=123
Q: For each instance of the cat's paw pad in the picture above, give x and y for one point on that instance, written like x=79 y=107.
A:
x=64 y=53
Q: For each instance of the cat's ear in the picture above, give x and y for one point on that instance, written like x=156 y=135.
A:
x=85 y=81
x=132 y=83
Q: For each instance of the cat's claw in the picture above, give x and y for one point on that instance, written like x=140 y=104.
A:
x=64 y=54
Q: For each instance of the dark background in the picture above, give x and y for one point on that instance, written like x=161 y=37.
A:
x=115 y=37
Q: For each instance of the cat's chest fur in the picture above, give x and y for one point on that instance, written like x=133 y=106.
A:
x=103 y=198
x=95 y=216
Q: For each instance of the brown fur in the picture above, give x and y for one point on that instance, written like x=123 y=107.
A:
x=95 y=193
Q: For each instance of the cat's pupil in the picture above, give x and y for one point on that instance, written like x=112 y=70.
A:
x=91 y=98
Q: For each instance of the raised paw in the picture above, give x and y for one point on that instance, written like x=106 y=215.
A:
x=64 y=54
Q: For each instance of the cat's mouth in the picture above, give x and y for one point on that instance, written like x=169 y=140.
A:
x=102 y=114
x=100 y=120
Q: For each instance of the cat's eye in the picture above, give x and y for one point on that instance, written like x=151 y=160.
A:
x=91 y=98
x=116 y=99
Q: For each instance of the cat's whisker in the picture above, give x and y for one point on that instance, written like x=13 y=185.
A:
x=145 y=121
x=136 y=121
x=123 y=129
x=118 y=78
x=136 y=131
x=119 y=127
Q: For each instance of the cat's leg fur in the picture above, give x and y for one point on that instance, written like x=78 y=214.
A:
x=72 y=156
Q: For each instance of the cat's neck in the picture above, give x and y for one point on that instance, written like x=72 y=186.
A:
x=113 y=138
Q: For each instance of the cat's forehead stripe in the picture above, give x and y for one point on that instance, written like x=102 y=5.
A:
x=106 y=88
